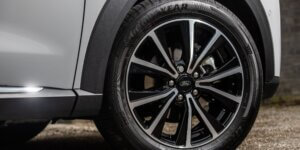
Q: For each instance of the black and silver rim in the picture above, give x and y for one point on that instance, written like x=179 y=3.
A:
x=184 y=83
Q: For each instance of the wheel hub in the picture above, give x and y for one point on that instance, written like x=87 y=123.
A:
x=185 y=84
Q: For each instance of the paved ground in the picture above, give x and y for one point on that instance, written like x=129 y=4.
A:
x=276 y=128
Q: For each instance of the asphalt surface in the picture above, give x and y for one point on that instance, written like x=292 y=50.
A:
x=275 y=128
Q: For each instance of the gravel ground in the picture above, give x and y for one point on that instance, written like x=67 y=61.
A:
x=275 y=128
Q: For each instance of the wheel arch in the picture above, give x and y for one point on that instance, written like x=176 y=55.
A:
x=253 y=16
x=250 y=12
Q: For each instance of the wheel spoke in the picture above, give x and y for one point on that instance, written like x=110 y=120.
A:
x=150 y=99
x=142 y=70
x=201 y=113
x=192 y=36
x=205 y=51
x=221 y=75
x=231 y=97
x=185 y=36
x=152 y=66
x=189 y=126
x=161 y=113
x=226 y=66
x=136 y=95
x=163 y=52
x=184 y=135
x=182 y=129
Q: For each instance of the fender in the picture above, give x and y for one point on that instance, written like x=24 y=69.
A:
x=271 y=81
x=109 y=22
x=101 y=42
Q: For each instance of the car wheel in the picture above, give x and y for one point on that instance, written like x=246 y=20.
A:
x=182 y=75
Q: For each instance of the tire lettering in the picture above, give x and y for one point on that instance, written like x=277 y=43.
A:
x=184 y=6
x=175 y=7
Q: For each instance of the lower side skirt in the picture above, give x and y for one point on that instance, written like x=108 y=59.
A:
x=49 y=104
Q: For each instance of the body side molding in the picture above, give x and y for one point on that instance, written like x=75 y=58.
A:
x=87 y=104
x=46 y=104
x=49 y=104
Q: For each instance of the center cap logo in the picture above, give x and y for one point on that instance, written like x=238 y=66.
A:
x=185 y=83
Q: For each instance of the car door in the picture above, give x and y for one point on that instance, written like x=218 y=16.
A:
x=39 y=42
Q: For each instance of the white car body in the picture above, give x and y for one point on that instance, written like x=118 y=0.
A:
x=48 y=44
x=272 y=8
x=40 y=48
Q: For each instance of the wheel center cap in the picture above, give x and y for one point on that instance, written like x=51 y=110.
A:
x=185 y=83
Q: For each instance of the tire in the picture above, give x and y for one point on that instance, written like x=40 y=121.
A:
x=20 y=132
x=123 y=120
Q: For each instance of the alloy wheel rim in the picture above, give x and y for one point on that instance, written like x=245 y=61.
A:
x=176 y=93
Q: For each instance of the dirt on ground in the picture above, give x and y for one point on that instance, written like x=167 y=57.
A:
x=277 y=128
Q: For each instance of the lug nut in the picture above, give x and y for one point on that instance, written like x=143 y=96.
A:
x=180 y=69
x=196 y=75
x=171 y=83
x=195 y=92
x=180 y=97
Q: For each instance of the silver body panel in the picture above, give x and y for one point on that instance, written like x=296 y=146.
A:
x=272 y=8
x=43 y=43
x=39 y=42
x=92 y=11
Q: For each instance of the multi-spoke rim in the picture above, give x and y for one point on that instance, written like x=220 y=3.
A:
x=184 y=83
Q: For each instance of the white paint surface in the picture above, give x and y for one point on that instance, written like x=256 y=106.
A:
x=272 y=8
x=92 y=11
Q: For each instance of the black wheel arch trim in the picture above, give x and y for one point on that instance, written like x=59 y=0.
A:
x=264 y=27
x=101 y=42
x=271 y=82
x=271 y=87
x=109 y=22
